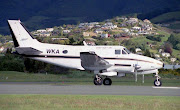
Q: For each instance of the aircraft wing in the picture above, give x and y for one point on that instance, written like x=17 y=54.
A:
x=91 y=61
x=27 y=50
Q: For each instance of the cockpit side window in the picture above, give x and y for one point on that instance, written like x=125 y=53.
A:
x=126 y=50
x=123 y=52
x=117 y=51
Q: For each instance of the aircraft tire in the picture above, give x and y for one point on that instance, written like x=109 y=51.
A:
x=98 y=82
x=157 y=83
x=107 y=81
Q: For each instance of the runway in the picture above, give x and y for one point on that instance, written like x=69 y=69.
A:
x=52 y=88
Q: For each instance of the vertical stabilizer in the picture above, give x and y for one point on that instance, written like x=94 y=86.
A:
x=20 y=35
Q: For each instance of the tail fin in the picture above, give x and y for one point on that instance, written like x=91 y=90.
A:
x=20 y=35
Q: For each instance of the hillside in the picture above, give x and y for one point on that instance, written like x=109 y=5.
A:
x=167 y=17
x=170 y=20
x=49 y=13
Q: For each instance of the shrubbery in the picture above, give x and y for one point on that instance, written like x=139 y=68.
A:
x=13 y=62
x=154 y=38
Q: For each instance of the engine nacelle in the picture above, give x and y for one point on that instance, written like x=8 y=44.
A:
x=121 y=75
x=109 y=74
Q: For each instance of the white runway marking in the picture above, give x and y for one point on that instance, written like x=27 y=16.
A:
x=165 y=87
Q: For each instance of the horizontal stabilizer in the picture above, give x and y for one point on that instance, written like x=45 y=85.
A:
x=27 y=50
x=91 y=61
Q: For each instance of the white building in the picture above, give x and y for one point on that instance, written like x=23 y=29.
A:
x=104 y=35
x=45 y=34
x=125 y=29
x=99 y=31
x=138 y=50
x=146 y=21
x=41 y=30
x=173 y=59
x=49 y=29
x=86 y=34
x=2 y=49
x=109 y=25
x=164 y=54
x=136 y=28
x=157 y=55
x=66 y=31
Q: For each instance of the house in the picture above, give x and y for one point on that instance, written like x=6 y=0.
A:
x=99 y=31
x=136 y=28
x=41 y=30
x=66 y=31
x=157 y=55
x=125 y=30
x=173 y=59
x=132 y=21
x=109 y=25
x=91 y=43
x=160 y=50
x=147 y=21
x=133 y=34
x=104 y=35
x=164 y=54
x=49 y=29
x=86 y=34
x=138 y=50
x=2 y=49
x=45 y=34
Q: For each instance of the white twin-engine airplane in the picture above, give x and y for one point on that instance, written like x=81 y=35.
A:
x=102 y=60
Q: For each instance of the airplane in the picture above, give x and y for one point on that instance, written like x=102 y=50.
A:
x=105 y=61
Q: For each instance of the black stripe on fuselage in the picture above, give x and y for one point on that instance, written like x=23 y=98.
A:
x=122 y=65
x=77 y=57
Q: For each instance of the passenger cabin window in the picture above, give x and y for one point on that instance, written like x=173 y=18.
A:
x=117 y=51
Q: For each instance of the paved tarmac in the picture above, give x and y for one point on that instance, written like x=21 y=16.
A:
x=52 y=88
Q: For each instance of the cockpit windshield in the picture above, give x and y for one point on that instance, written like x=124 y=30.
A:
x=126 y=50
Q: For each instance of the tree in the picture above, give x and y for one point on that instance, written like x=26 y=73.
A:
x=174 y=40
x=147 y=53
x=168 y=48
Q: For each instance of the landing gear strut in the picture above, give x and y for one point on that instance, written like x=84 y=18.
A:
x=98 y=80
x=157 y=81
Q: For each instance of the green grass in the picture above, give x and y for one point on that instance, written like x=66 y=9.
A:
x=1 y=55
x=84 y=78
x=88 y=102
x=176 y=53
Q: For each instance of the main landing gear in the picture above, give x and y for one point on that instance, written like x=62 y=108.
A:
x=157 y=81
x=99 y=81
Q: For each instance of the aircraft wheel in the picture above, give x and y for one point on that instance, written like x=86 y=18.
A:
x=98 y=81
x=157 y=82
x=107 y=81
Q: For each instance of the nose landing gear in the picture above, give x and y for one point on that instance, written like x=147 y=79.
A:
x=98 y=80
x=157 y=81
